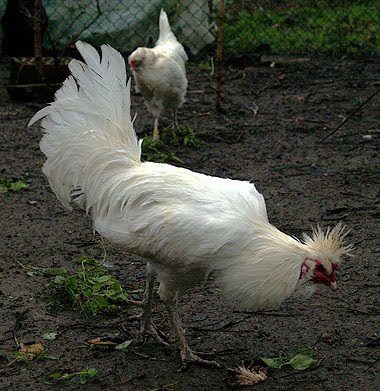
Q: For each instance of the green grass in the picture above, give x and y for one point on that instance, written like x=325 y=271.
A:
x=353 y=29
x=159 y=151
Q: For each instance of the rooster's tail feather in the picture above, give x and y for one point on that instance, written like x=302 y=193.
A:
x=89 y=138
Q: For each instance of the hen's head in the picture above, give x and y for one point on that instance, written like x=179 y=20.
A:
x=140 y=58
x=326 y=250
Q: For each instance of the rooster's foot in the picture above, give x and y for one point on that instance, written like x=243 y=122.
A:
x=151 y=331
x=189 y=357
x=156 y=135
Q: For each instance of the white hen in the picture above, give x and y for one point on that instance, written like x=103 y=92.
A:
x=160 y=73
x=185 y=224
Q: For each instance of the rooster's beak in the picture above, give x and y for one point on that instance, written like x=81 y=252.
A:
x=333 y=286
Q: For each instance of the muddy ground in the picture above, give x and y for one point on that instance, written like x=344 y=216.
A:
x=304 y=181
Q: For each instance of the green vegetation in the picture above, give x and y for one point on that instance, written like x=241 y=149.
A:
x=208 y=66
x=159 y=151
x=12 y=185
x=304 y=358
x=85 y=376
x=351 y=29
x=90 y=289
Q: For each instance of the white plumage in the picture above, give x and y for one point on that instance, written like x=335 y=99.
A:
x=184 y=223
x=160 y=73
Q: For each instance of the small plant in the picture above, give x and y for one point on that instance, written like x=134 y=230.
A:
x=185 y=136
x=153 y=151
x=90 y=289
x=302 y=360
x=85 y=376
x=208 y=66
x=156 y=150
x=43 y=271
x=12 y=185
x=30 y=352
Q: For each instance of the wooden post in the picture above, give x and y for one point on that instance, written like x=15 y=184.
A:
x=219 y=55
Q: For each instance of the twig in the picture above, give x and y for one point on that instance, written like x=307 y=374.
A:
x=373 y=364
x=134 y=377
x=221 y=139
x=197 y=115
x=148 y=357
x=356 y=360
x=269 y=313
x=350 y=116
x=16 y=327
x=223 y=326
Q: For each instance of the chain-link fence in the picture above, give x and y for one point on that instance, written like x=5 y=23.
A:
x=296 y=26
x=125 y=24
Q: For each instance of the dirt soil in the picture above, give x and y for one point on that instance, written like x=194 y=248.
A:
x=270 y=133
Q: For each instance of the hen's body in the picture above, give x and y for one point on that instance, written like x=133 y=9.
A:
x=184 y=223
x=160 y=73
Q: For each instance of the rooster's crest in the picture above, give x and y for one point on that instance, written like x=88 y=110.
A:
x=331 y=242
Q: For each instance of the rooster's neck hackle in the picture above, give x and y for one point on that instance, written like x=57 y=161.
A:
x=270 y=270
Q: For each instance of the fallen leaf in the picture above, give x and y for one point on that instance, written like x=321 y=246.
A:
x=123 y=345
x=101 y=341
x=50 y=336
x=301 y=362
x=30 y=351
x=277 y=362
x=35 y=349
x=109 y=339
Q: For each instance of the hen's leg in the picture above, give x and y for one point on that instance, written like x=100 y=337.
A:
x=175 y=120
x=156 y=135
x=187 y=355
x=146 y=326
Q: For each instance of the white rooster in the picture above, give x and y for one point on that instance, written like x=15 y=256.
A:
x=160 y=73
x=185 y=224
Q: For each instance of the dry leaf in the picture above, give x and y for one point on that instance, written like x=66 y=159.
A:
x=30 y=351
x=109 y=339
x=101 y=341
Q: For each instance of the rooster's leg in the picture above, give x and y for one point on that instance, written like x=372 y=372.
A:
x=187 y=355
x=175 y=120
x=145 y=317
x=156 y=135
